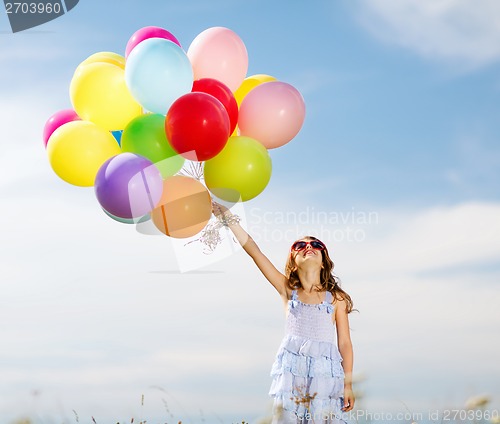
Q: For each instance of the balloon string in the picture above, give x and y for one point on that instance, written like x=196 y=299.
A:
x=210 y=236
x=193 y=170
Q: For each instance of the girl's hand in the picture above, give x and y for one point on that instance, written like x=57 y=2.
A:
x=348 y=399
x=218 y=210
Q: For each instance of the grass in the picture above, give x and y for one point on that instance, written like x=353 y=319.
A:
x=473 y=411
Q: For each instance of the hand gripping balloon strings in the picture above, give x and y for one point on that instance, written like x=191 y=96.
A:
x=210 y=236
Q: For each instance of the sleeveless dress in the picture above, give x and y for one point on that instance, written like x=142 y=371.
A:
x=308 y=378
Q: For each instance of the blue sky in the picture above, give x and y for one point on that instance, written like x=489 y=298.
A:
x=396 y=168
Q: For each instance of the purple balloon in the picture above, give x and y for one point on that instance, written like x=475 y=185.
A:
x=128 y=185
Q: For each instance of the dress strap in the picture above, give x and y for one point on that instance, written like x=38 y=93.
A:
x=329 y=297
x=294 y=295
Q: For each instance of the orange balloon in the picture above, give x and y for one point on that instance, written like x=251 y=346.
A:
x=184 y=208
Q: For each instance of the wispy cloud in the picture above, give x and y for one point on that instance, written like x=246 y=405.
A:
x=441 y=236
x=466 y=33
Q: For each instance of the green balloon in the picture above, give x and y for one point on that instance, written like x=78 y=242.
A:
x=145 y=135
x=241 y=170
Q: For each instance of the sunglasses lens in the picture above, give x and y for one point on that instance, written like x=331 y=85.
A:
x=299 y=245
x=317 y=245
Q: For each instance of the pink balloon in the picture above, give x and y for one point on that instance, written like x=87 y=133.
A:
x=272 y=113
x=149 y=32
x=56 y=120
x=219 y=53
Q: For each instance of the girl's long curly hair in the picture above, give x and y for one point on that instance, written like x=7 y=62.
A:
x=329 y=282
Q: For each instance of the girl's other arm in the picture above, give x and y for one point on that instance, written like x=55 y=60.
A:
x=346 y=351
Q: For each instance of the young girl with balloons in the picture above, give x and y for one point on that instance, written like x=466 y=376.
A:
x=312 y=376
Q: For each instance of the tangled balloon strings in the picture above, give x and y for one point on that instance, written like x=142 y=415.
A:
x=193 y=170
x=210 y=236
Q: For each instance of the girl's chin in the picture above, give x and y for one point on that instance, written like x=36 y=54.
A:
x=310 y=262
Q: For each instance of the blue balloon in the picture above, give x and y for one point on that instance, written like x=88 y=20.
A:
x=157 y=73
x=118 y=136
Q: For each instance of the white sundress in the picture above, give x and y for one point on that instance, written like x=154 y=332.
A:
x=308 y=378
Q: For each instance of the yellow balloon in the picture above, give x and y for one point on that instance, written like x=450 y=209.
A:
x=236 y=132
x=78 y=149
x=262 y=78
x=99 y=94
x=249 y=84
x=105 y=57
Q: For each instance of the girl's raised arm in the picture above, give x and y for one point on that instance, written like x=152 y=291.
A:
x=276 y=278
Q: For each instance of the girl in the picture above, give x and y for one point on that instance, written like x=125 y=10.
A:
x=312 y=377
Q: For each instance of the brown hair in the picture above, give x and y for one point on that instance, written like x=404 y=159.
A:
x=329 y=282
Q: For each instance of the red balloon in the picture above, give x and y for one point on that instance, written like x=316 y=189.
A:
x=222 y=93
x=197 y=122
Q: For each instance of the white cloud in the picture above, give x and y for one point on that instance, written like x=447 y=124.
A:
x=468 y=33
x=431 y=239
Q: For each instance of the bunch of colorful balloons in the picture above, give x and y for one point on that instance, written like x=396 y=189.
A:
x=137 y=118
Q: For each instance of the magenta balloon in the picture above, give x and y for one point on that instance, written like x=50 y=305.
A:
x=128 y=186
x=272 y=113
x=149 y=32
x=56 y=120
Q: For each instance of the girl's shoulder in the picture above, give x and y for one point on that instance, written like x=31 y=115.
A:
x=340 y=304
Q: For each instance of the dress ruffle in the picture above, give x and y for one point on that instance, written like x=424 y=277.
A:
x=303 y=346
x=308 y=377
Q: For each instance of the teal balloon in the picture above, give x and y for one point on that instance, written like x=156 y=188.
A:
x=145 y=135
x=157 y=73
x=144 y=218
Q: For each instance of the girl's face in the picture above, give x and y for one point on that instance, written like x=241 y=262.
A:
x=308 y=255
